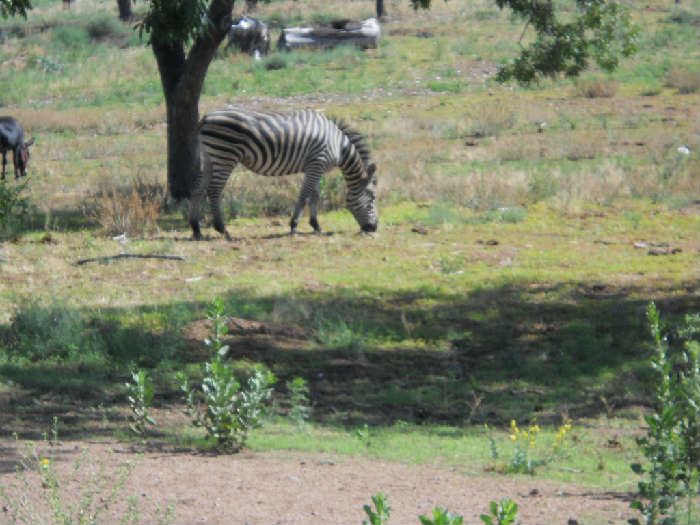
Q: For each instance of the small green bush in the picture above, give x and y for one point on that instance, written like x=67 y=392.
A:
x=140 y=397
x=671 y=485
x=381 y=512
x=226 y=409
x=52 y=333
x=71 y=37
x=504 y=512
x=105 y=25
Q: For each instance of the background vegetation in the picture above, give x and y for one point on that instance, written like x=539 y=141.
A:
x=523 y=232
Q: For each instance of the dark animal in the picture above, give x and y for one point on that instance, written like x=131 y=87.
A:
x=12 y=139
x=250 y=35
x=274 y=144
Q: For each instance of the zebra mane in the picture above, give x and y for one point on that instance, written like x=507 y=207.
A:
x=356 y=138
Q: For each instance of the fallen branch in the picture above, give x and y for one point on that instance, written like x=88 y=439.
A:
x=129 y=256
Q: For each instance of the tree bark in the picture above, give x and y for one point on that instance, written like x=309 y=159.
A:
x=125 y=12
x=182 y=76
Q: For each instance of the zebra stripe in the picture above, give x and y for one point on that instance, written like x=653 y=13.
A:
x=276 y=144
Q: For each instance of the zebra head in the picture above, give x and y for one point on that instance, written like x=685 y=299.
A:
x=23 y=158
x=362 y=202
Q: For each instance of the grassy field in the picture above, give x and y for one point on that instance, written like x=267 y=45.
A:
x=523 y=231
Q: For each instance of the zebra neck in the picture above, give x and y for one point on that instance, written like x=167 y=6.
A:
x=351 y=165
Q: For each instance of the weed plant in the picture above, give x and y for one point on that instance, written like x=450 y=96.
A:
x=299 y=405
x=85 y=494
x=441 y=516
x=528 y=454
x=504 y=512
x=669 y=492
x=224 y=408
x=379 y=515
x=132 y=209
x=140 y=398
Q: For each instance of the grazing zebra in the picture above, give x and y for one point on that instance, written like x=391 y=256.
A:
x=273 y=144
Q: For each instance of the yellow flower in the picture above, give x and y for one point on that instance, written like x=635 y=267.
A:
x=45 y=462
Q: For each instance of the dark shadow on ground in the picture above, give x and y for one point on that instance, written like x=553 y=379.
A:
x=524 y=351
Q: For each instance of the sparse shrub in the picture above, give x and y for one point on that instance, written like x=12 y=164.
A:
x=527 y=453
x=685 y=80
x=299 y=405
x=597 y=88
x=105 y=25
x=47 y=64
x=441 y=516
x=53 y=332
x=338 y=334
x=541 y=186
x=15 y=208
x=140 y=397
x=491 y=121
x=71 y=36
x=683 y=16
x=132 y=209
x=672 y=443
x=226 y=410
x=381 y=512
x=88 y=495
x=504 y=512
x=275 y=62
x=364 y=435
x=441 y=213
x=524 y=443
x=512 y=215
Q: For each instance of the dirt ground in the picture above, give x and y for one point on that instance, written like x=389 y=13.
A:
x=290 y=488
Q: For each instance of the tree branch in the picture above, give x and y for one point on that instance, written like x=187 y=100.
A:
x=128 y=256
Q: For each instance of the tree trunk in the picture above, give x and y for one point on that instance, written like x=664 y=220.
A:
x=125 y=13
x=381 y=12
x=182 y=76
x=183 y=144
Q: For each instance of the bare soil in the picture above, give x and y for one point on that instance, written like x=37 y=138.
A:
x=290 y=488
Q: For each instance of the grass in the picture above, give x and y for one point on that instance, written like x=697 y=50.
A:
x=522 y=296
x=596 y=457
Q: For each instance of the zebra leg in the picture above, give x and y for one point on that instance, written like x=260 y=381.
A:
x=298 y=208
x=214 y=190
x=313 y=209
x=309 y=193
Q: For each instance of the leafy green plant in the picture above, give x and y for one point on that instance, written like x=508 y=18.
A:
x=222 y=406
x=672 y=443
x=441 y=517
x=504 y=512
x=380 y=514
x=299 y=405
x=363 y=434
x=140 y=397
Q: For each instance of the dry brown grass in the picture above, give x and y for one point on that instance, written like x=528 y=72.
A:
x=684 y=80
x=96 y=120
x=133 y=208
x=597 y=88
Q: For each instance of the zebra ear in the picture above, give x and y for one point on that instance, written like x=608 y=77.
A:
x=371 y=168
